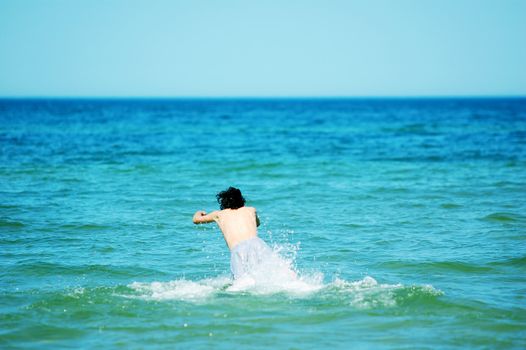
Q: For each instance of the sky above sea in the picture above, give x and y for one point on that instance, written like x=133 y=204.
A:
x=262 y=48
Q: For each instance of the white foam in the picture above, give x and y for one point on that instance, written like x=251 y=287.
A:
x=274 y=275
x=272 y=283
x=277 y=275
x=367 y=293
x=181 y=289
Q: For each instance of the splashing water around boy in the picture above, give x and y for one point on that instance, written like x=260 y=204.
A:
x=249 y=254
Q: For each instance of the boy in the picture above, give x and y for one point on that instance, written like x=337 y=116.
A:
x=239 y=226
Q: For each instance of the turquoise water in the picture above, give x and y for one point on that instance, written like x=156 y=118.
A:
x=405 y=220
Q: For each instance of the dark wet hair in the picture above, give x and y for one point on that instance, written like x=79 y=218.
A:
x=230 y=199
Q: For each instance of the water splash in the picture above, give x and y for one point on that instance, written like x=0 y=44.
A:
x=182 y=289
x=278 y=276
x=366 y=293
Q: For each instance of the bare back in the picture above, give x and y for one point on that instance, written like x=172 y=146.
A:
x=237 y=224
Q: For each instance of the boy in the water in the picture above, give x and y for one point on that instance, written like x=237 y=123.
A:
x=239 y=226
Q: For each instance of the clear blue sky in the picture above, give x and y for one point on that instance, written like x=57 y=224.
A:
x=262 y=48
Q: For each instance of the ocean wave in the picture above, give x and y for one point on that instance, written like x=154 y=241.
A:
x=278 y=276
x=88 y=227
x=504 y=217
x=519 y=261
x=182 y=289
x=366 y=293
x=11 y=223
x=47 y=269
x=438 y=266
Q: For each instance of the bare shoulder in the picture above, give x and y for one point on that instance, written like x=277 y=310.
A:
x=218 y=213
x=251 y=208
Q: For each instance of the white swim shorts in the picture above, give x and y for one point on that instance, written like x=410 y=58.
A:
x=247 y=255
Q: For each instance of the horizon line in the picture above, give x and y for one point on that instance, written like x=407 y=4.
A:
x=260 y=97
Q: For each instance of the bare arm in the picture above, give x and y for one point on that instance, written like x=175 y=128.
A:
x=201 y=217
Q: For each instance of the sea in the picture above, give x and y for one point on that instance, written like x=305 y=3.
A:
x=404 y=220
